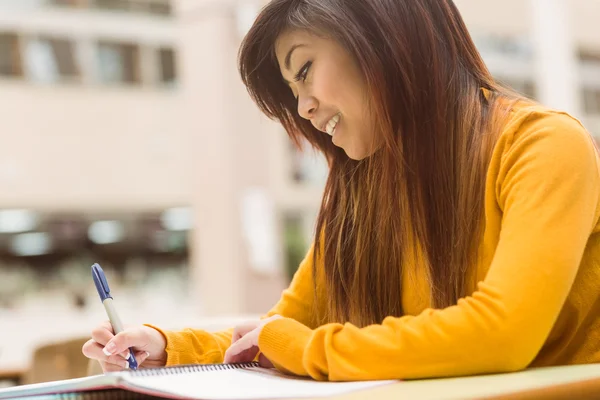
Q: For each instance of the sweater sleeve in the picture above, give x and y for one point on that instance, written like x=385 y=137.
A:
x=195 y=346
x=548 y=189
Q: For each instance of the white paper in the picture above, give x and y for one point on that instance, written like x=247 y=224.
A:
x=246 y=384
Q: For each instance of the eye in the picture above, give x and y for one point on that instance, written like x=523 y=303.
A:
x=301 y=75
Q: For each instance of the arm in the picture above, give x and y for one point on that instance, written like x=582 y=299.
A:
x=194 y=346
x=548 y=189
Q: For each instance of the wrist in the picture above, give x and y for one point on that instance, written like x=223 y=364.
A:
x=158 y=350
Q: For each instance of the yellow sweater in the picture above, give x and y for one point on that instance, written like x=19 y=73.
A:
x=537 y=302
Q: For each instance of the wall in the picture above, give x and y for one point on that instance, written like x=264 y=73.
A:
x=120 y=148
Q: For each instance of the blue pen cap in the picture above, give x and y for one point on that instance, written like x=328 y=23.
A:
x=100 y=282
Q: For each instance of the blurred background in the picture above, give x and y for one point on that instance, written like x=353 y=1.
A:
x=129 y=140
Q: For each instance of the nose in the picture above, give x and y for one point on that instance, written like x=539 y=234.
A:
x=307 y=106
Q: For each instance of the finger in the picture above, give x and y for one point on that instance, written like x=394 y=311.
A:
x=118 y=361
x=247 y=355
x=232 y=352
x=92 y=349
x=264 y=362
x=242 y=330
x=244 y=343
x=103 y=333
x=121 y=342
x=111 y=367
x=108 y=326
x=141 y=356
x=247 y=327
x=88 y=349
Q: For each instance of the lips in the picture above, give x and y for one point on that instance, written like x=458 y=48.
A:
x=330 y=125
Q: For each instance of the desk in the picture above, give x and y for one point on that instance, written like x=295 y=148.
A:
x=540 y=383
x=588 y=389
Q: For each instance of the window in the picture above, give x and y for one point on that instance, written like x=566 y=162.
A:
x=118 y=5
x=69 y=3
x=591 y=101
x=118 y=63
x=155 y=7
x=50 y=60
x=588 y=55
x=43 y=252
x=517 y=47
x=159 y=8
x=167 y=63
x=10 y=57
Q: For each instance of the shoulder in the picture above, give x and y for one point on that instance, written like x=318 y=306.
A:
x=533 y=130
x=541 y=150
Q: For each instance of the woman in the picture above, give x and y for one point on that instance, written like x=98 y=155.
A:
x=459 y=229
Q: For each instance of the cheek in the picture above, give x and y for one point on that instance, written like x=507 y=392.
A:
x=326 y=89
x=334 y=86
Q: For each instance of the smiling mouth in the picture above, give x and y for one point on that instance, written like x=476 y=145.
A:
x=332 y=124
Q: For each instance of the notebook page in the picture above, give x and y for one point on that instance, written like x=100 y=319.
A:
x=69 y=385
x=245 y=384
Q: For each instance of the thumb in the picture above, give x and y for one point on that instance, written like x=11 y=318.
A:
x=124 y=340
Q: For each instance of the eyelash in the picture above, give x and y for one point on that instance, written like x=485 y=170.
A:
x=301 y=75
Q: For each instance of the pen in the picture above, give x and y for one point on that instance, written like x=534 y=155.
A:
x=104 y=292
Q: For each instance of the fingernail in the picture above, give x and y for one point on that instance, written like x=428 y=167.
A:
x=147 y=354
x=126 y=364
x=109 y=349
x=126 y=356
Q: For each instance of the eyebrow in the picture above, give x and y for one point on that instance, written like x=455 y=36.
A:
x=288 y=57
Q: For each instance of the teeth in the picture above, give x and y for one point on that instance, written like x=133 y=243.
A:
x=332 y=124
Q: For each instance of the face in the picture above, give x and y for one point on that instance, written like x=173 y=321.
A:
x=330 y=90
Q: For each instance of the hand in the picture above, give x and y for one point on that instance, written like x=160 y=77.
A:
x=244 y=343
x=112 y=351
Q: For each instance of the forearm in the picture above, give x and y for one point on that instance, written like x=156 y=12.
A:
x=195 y=346
x=465 y=339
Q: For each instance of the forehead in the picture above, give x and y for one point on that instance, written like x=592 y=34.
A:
x=290 y=38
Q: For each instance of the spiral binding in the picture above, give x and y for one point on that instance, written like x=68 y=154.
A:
x=120 y=394
x=184 y=369
x=111 y=394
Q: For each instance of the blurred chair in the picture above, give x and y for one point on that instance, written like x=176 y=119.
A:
x=56 y=361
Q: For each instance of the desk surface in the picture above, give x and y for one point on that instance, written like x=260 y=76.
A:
x=588 y=389
x=541 y=383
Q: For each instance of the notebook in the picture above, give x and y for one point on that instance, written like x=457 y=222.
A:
x=206 y=382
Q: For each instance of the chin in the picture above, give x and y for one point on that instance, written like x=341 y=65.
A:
x=357 y=154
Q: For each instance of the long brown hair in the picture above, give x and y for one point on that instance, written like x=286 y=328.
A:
x=417 y=202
